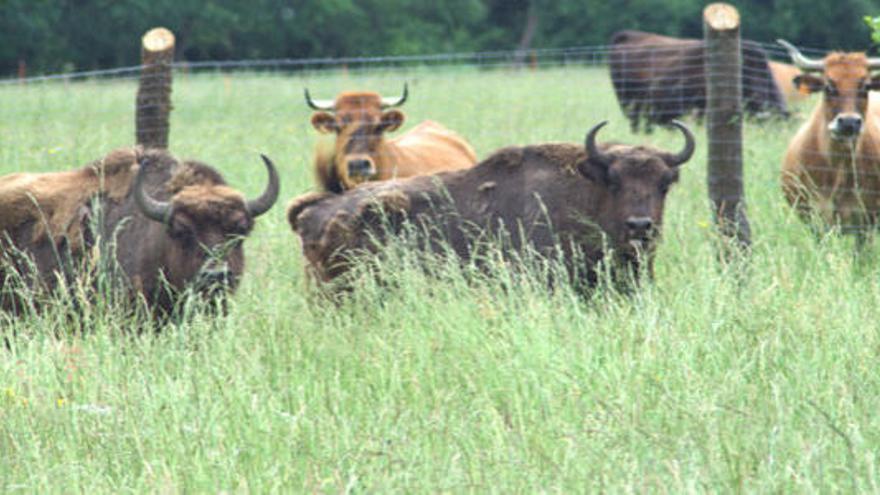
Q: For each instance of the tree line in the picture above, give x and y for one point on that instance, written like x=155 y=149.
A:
x=50 y=36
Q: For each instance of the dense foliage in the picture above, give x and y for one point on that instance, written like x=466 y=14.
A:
x=57 y=35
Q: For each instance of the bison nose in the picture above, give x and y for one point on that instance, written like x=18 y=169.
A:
x=359 y=167
x=212 y=276
x=639 y=226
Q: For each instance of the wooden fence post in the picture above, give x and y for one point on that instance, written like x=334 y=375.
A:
x=721 y=24
x=153 y=103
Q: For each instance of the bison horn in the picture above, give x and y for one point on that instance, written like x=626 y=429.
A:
x=592 y=151
x=396 y=102
x=319 y=104
x=800 y=60
x=151 y=208
x=260 y=205
x=689 y=146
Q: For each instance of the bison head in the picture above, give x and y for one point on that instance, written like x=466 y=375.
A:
x=204 y=226
x=845 y=80
x=636 y=179
x=359 y=121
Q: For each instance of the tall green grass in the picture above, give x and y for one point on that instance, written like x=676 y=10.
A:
x=706 y=380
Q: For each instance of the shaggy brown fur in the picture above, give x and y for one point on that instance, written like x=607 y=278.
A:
x=51 y=201
x=51 y=218
x=550 y=196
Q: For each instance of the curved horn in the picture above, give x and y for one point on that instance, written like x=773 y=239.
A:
x=689 y=146
x=873 y=63
x=592 y=151
x=154 y=210
x=260 y=205
x=800 y=60
x=319 y=104
x=396 y=102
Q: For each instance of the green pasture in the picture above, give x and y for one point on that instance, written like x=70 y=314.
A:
x=714 y=378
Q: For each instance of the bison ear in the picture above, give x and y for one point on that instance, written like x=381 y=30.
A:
x=808 y=83
x=324 y=122
x=392 y=120
x=594 y=171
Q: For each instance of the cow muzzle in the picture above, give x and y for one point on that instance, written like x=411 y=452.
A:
x=846 y=126
x=361 y=169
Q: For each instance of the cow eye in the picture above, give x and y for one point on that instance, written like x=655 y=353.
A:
x=830 y=89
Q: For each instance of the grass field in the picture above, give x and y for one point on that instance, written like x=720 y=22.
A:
x=707 y=380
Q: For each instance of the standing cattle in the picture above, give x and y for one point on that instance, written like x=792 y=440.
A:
x=362 y=153
x=658 y=78
x=784 y=75
x=832 y=165
x=161 y=225
x=577 y=199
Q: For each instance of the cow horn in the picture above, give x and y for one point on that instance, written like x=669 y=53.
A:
x=154 y=210
x=260 y=205
x=689 y=146
x=396 y=102
x=592 y=151
x=325 y=105
x=800 y=60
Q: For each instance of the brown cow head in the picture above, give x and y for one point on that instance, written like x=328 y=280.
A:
x=637 y=179
x=205 y=224
x=845 y=81
x=359 y=121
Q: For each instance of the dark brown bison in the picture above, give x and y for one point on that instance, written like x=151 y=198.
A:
x=658 y=78
x=362 y=153
x=161 y=225
x=831 y=165
x=587 y=201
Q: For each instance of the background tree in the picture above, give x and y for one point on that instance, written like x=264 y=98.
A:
x=63 y=35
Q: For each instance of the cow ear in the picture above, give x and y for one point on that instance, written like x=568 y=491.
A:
x=324 y=122
x=392 y=120
x=808 y=83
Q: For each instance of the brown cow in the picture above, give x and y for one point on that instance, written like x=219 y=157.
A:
x=361 y=152
x=660 y=78
x=832 y=165
x=160 y=225
x=784 y=75
x=579 y=199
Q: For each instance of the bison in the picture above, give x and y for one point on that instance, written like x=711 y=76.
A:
x=585 y=200
x=659 y=78
x=162 y=226
x=832 y=165
x=362 y=153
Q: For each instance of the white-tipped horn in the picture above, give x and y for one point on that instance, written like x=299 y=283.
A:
x=325 y=105
x=396 y=102
x=799 y=59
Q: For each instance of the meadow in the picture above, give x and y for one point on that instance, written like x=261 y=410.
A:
x=714 y=378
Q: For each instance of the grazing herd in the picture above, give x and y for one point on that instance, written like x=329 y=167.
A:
x=165 y=229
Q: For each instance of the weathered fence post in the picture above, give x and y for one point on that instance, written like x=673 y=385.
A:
x=724 y=121
x=153 y=104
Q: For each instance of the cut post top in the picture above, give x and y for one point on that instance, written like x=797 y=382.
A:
x=721 y=16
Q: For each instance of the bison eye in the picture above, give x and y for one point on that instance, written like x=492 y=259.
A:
x=181 y=231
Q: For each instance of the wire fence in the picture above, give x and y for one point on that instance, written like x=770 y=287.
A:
x=649 y=83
